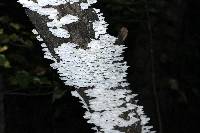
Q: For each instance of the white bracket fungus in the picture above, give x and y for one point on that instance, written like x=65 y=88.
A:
x=100 y=68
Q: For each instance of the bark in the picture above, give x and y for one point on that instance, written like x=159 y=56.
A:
x=81 y=34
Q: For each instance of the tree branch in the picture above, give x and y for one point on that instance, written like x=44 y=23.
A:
x=90 y=60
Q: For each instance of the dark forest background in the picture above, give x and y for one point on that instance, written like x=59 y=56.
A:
x=163 y=52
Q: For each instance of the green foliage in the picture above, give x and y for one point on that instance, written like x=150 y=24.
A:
x=22 y=79
x=4 y=62
x=21 y=60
